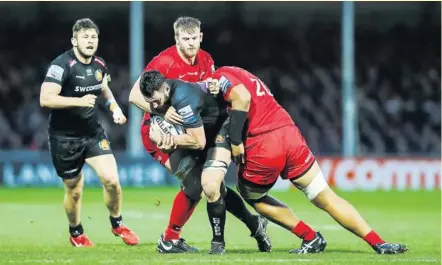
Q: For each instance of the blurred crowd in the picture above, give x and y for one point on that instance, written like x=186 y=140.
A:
x=397 y=79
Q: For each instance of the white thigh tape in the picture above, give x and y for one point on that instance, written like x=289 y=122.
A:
x=317 y=185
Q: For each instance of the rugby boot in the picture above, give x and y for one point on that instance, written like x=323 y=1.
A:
x=129 y=237
x=315 y=245
x=174 y=246
x=181 y=243
x=263 y=240
x=81 y=241
x=389 y=248
x=217 y=248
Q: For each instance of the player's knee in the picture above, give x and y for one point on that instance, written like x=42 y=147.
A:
x=74 y=192
x=211 y=189
x=111 y=182
x=74 y=187
x=193 y=192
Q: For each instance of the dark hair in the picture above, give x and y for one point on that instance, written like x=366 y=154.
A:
x=84 y=23
x=150 y=82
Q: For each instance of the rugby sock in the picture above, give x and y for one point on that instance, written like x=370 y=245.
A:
x=190 y=211
x=303 y=231
x=235 y=205
x=76 y=231
x=182 y=209
x=373 y=239
x=217 y=218
x=116 y=221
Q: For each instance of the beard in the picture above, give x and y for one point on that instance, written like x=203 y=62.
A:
x=189 y=53
x=163 y=109
x=83 y=53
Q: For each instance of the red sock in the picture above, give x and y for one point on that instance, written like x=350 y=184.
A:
x=304 y=231
x=182 y=209
x=373 y=238
x=190 y=212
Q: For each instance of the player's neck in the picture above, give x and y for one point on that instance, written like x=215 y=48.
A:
x=187 y=60
x=81 y=58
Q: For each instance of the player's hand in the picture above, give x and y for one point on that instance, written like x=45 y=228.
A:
x=173 y=116
x=88 y=101
x=106 y=80
x=167 y=144
x=155 y=134
x=238 y=154
x=213 y=85
x=118 y=116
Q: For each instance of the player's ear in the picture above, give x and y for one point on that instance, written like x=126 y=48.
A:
x=177 y=40
x=201 y=37
x=74 y=42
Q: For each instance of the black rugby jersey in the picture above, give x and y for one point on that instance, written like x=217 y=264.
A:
x=76 y=80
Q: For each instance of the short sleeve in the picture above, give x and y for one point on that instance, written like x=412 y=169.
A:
x=103 y=64
x=57 y=72
x=226 y=82
x=188 y=103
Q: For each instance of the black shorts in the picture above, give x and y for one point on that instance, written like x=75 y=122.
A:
x=220 y=136
x=70 y=153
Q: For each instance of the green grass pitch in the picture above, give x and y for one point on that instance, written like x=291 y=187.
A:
x=33 y=230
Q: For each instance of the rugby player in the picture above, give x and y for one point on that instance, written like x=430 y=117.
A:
x=186 y=61
x=204 y=121
x=274 y=146
x=73 y=82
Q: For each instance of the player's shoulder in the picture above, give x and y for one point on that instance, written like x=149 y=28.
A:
x=184 y=90
x=203 y=54
x=99 y=61
x=165 y=57
x=63 y=59
x=205 y=57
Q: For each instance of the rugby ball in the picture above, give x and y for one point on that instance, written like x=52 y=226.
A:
x=166 y=127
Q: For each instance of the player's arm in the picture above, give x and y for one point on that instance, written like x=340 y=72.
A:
x=239 y=97
x=117 y=113
x=194 y=138
x=137 y=99
x=237 y=94
x=159 y=63
x=190 y=108
x=51 y=88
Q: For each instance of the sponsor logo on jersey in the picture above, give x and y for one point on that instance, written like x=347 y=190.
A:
x=87 y=88
x=99 y=75
x=191 y=73
x=104 y=145
x=88 y=72
x=202 y=74
x=187 y=114
x=55 y=72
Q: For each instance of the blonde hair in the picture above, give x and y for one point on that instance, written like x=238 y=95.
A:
x=186 y=24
